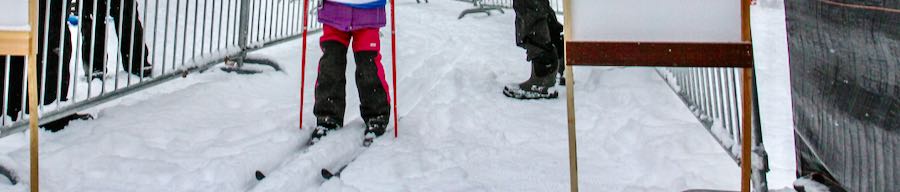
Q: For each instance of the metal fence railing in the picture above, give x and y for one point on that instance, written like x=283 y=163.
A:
x=713 y=96
x=557 y=5
x=93 y=51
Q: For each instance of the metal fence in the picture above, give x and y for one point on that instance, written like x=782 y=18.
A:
x=93 y=51
x=557 y=5
x=713 y=96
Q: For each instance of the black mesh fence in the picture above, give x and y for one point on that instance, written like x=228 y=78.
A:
x=845 y=79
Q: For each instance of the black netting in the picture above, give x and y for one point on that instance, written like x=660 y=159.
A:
x=845 y=78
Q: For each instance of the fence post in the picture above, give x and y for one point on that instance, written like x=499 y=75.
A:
x=243 y=31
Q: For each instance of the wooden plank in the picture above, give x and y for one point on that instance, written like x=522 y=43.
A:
x=659 y=54
x=14 y=42
x=570 y=102
x=33 y=94
x=747 y=130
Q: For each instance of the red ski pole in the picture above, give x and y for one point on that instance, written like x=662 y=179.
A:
x=394 y=63
x=303 y=59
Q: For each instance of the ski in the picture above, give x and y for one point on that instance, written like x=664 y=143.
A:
x=336 y=149
x=328 y=174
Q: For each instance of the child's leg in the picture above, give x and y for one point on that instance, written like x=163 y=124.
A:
x=329 y=90
x=370 y=82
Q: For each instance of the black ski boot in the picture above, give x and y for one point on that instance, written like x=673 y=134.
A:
x=324 y=126
x=375 y=127
x=541 y=83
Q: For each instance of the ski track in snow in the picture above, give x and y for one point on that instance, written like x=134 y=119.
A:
x=211 y=131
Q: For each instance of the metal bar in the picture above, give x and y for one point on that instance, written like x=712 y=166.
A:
x=119 y=54
x=5 y=107
x=145 y=50
x=303 y=59
x=24 y=97
x=62 y=51
x=166 y=39
x=270 y=17
x=155 y=45
x=134 y=18
x=735 y=75
x=394 y=64
x=105 y=40
x=78 y=51
x=228 y=31
x=243 y=33
x=257 y=19
x=175 y=32
x=708 y=96
x=219 y=35
x=194 y=30
x=729 y=85
x=90 y=69
x=187 y=7
x=203 y=30
x=44 y=50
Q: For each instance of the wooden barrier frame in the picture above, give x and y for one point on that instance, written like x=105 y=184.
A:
x=24 y=43
x=662 y=54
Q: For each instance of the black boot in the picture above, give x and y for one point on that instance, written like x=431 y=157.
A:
x=541 y=83
x=324 y=125
x=375 y=127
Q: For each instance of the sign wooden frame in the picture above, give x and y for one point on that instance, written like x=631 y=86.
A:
x=662 y=54
x=24 y=43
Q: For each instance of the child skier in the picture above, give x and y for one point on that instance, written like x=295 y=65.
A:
x=539 y=33
x=351 y=23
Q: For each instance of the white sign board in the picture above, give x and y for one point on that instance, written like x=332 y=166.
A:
x=655 y=20
x=14 y=15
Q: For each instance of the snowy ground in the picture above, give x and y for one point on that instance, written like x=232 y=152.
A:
x=210 y=131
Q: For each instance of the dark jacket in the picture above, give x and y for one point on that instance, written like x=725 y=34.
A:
x=536 y=27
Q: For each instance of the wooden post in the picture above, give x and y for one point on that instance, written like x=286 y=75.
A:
x=32 y=92
x=570 y=103
x=747 y=125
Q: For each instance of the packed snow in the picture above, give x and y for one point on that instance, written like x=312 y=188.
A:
x=211 y=131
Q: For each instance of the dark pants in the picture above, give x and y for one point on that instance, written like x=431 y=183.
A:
x=540 y=33
x=56 y=66
x=330 y=91
x=131 y=48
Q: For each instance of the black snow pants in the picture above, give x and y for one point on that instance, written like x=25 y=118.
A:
x=539 y=33
x=330 y=89
x=132 y=47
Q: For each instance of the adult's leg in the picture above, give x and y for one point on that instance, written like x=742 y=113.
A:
x=93 y=29
x=131 y=46
x=534 y=33
x=15 y=84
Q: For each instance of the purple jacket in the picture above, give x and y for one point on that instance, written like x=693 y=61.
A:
x=346 y=18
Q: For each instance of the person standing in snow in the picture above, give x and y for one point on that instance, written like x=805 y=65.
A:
x=539 y=33
x=132 y=47
x=351 y=23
